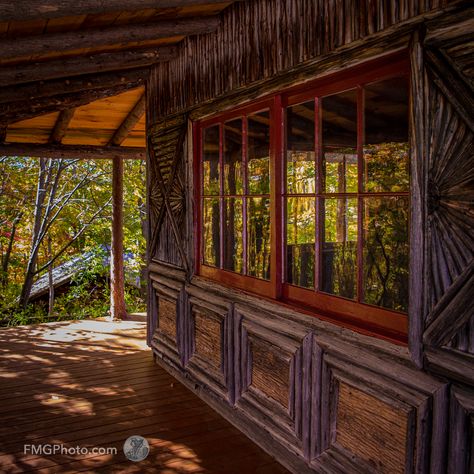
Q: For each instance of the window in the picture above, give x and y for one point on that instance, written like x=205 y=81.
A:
x=304 y=197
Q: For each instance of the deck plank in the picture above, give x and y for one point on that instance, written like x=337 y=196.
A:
x=93 y=384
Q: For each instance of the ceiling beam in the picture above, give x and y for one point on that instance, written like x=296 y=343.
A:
x=61 y=126
x=129 y=123
x=104 y=37
x=80 y=65
x=26 y=109
x=66 y=86
x=82 y=152
x=21 y=10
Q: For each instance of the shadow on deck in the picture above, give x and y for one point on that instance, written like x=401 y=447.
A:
x=93 y=384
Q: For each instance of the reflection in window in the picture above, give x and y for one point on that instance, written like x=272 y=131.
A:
x=233 y=235
x=258 y=230
x=233 y=170
x=300 y=243
x=386 y=252
x=339 y=249
x=300 y=156
x=386 y=136
x=210 y=158
x=258 y=154
x=211 y=231
x=339 y=135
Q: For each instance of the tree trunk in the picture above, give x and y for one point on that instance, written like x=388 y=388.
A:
x=51 y=281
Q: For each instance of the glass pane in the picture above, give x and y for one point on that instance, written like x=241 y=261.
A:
x=386 y=252
x=259 y=237
x=258 y=137
x=300 y=241
x=233 y=171
x=211 y=231
x=210 y=160
x=339 y=247
x=339 y=135
x=233 y=235
x=300 y=158
x=386 y=152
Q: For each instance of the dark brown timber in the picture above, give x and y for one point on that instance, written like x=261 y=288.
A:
x=32 y=10
x=83 y=152
x=130 y=121
x=94 y=38
x=65 y=86
x=117 y=288
x=90 y=64
x=61 y=125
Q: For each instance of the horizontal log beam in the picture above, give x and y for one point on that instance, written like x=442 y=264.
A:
x=80 y=65
x=21 y=10
x=104 y=37
x=17 y=111
x=82 y=152
x=130 y=121
x=61 y=125
x=67 y=86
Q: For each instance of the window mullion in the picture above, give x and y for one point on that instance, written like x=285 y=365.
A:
x=244 y=197
x=360 y=189
x=221 y=198
x=319 y=190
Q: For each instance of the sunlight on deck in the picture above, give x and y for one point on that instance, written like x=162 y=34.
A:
x=93 y=384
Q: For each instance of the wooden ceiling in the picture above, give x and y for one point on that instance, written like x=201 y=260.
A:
x=73 y=72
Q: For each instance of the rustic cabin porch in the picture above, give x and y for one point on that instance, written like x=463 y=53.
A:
x=94 y=383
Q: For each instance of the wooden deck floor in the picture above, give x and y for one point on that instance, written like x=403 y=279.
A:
x=93 y=384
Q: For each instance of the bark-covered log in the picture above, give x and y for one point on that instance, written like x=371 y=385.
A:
x=21 y=10
x=80 y=65
x=67 y=86
x=84 y=152
x=61 y=125
x=130 y=121
x=103 y=37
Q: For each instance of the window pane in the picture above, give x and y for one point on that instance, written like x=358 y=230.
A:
x=339 y=248
x=233 y=235
x=339 y=135
x=211 y=231
x=386 y=252
x=258 y=137
x=210 y=158
x=233 y=182
x=386 y=135
x=300 y=241
x=259 y=237
x=300 y=164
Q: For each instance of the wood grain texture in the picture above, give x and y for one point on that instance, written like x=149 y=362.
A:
x=371 y=429
x=270 y=372
x=167 y=317
x=208 y=338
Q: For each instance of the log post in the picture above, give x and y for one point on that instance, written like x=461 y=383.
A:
x=117 y=287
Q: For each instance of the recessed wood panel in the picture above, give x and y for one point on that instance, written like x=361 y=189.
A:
x=270 y=372
x=208 y=338
x=371 y=429
x=167 y=317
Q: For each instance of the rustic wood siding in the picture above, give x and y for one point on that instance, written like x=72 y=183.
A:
x=260 y=39
x=208 y=338
x=167 y=317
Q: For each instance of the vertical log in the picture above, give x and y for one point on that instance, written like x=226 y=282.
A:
x=117 y=297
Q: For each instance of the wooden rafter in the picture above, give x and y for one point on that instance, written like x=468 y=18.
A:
x=66 y=86
x=83 y=152
x=104 y=37
x=21 y=10
x=90 y=64
x=26 y=109
x=130 y=121
x=61 y=125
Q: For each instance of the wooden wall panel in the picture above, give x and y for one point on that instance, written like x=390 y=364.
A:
x=208 y=338
x=372 y=429
x=167 y=317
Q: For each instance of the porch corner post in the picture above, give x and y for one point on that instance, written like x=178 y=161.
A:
x=117 y=287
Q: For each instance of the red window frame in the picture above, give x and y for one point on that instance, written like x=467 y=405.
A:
x=362 y=317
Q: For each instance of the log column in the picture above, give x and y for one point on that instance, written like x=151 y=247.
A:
x=117 y=297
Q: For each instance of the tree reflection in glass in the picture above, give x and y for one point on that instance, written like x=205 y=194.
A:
x=233 y=235
x=339 y=134
x=211 y=231
x=386 y=252
x=300 y=241
x=258 y=230
x=339 y=247
x=233 y=170
x=258 y=153
x=210 y=157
